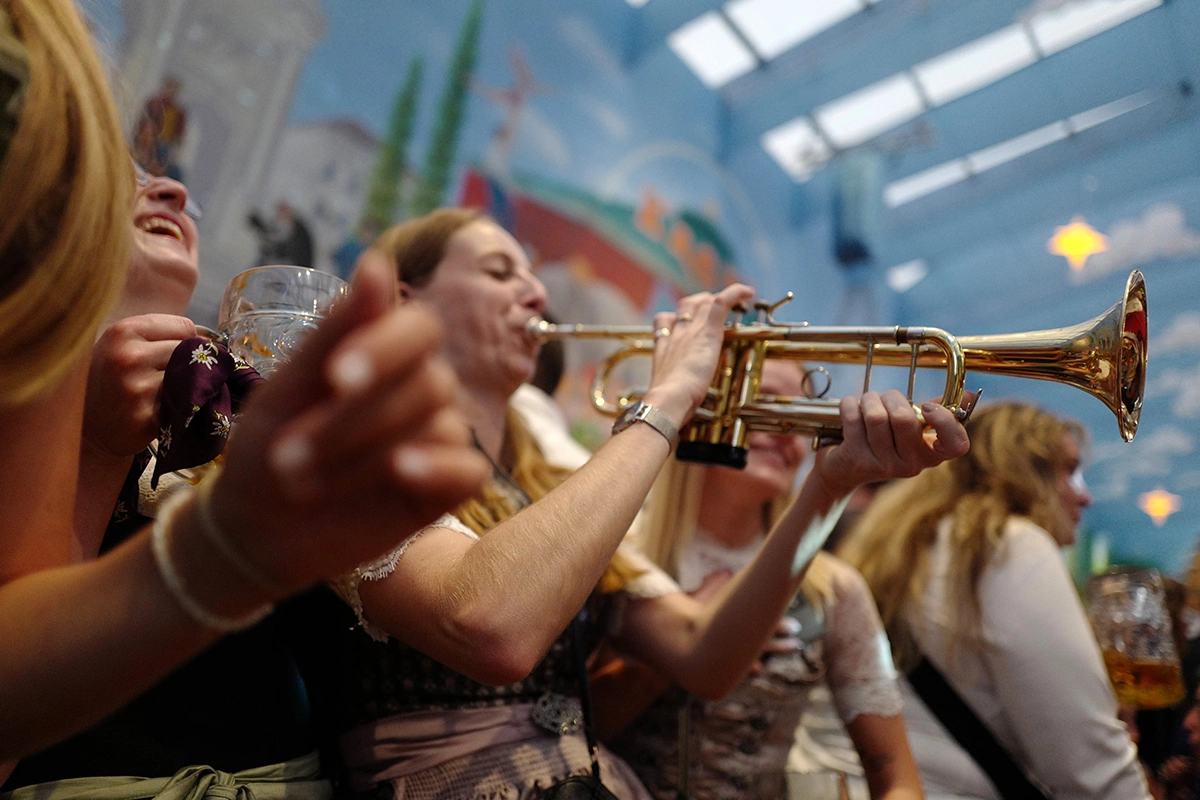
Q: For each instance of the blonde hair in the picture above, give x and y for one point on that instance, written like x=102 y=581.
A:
x=417 y=247
x=66 y=187
x=671 y=520
x=1009 y=471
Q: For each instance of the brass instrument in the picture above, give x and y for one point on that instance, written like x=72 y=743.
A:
x=1105 y=357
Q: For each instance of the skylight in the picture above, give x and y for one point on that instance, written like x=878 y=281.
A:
x=798 y=148
x=905 y=190
x=712 y=50
x=976 y=64
x=994 y=156
x=863 y=115
x=774 y=26
x=1093 y=117
x=1071 y=23
x=903 y=277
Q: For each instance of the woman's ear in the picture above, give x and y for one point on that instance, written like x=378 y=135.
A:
x=403 y=292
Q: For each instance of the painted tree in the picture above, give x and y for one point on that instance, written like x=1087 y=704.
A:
x=439 y=161
x=383 y=195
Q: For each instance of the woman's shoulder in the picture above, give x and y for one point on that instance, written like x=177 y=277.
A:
x=837 y=578
x=1024 y=538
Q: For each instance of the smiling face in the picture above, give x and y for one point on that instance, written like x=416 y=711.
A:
x=772 y=460
x=1073 y=493
x=164 y=261
x=485 y=292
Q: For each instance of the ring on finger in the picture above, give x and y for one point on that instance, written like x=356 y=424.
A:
x=684 y=316
x=661 y=332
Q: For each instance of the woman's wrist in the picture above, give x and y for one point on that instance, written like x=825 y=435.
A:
x=210 y=589
x=675 y=404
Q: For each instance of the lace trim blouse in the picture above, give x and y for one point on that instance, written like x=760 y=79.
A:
x=740 y=744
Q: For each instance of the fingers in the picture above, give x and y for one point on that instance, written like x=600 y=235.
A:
x=152 y=328
x=431 y=461
x=952 y=440
x=882 y=438
x=305 y=379
x=324 y=438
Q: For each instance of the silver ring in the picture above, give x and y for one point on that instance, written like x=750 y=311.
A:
x=661 y=332
x=684 y=316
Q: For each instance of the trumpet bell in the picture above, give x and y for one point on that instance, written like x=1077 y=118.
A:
x=1105 y=357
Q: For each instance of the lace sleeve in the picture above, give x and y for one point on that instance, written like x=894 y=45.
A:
x=859 y=657
x=347 y=585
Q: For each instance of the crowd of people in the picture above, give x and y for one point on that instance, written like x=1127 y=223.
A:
x=396 y=584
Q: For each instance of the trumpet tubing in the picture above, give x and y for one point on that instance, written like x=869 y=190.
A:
x=1105 y=357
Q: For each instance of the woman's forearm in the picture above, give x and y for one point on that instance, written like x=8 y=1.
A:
x=708 y=648
x=887 y=761
x=493 y=608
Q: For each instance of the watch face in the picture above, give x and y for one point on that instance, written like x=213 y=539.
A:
x=626 y=418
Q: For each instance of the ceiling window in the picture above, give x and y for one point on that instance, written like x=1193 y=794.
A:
x=863 y=115
x=774 y=26
x=712 y=50
x=798 y=148
x=976 y=64
x=1071 y=23
x=928 y=181
x=994 y=156
x=905 y=190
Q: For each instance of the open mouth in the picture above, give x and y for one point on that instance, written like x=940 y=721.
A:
x=161 y=226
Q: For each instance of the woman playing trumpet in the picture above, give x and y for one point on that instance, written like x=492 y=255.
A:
x=465 y=641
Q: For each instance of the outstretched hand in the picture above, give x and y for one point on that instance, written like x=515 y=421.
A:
x=352 y=445
x=883 y=438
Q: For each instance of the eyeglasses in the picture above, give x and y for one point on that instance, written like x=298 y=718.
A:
x=191 y=207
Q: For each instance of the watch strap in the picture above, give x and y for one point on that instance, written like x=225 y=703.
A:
x=654 y=417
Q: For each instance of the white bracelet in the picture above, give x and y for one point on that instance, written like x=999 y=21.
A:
x=232 y=553
x=160 y=542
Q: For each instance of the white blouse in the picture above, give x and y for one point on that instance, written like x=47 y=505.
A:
x=1033 y=675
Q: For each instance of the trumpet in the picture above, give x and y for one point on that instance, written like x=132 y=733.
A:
x=1104 y=356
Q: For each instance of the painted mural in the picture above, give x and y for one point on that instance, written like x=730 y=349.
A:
x=304 y=128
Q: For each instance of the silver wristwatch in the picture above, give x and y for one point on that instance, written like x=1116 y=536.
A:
x=655 y=418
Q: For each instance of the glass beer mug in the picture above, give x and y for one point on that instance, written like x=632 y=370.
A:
x=267 y=311
x=1128 y=612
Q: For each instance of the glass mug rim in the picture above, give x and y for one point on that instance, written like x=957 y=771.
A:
x=1119 y=578
x=321 y=291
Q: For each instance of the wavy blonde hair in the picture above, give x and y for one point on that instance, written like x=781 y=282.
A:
x=1010 y=470
x=417 y=247
x=671 y=520
x=66 y=188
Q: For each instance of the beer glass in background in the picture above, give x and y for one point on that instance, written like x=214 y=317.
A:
x=817 y=786
x=1128 y=611
x=267 y=311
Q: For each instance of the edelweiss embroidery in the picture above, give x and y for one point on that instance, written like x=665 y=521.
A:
x=221 y=425
x=205 y=354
